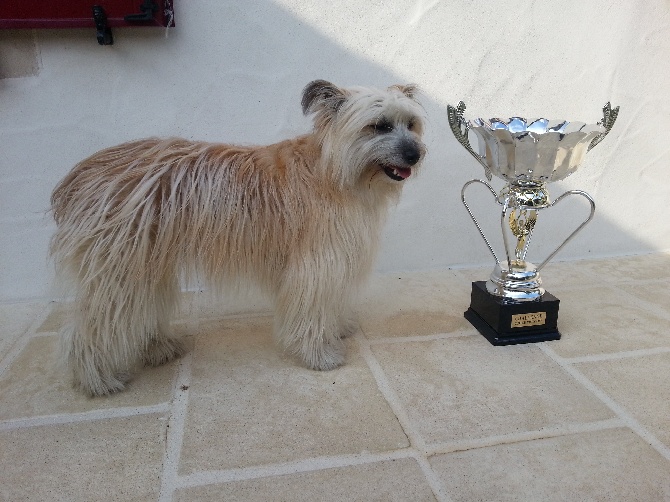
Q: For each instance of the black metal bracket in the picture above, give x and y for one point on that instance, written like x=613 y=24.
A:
x=102 y=31
x=147 y=8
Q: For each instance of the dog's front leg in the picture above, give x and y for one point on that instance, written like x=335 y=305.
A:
x=309 y=319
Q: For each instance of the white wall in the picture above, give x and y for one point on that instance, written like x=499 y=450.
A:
x=233 y=71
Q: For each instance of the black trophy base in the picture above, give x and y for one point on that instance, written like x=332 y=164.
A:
x=506 y=323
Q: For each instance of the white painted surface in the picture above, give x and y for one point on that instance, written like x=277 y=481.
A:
x=233 y=71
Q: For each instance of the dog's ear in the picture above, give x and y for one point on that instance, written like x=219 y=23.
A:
x=321 y=94
x=409 y=90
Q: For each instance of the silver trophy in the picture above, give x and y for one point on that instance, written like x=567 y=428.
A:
x=512 y=306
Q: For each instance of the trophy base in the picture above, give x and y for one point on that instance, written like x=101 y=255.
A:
x=503 y=322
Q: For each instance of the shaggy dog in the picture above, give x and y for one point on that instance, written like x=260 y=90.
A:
x=301 y=218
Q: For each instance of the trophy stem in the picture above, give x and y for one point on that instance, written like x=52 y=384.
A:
x=522 y=222
x=503 y=218
x=524 y=199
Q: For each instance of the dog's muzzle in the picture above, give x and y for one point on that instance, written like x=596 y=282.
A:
x=410 y=154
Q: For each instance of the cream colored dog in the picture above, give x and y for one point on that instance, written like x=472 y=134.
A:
x=301 y=218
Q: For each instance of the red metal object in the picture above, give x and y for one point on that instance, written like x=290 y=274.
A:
x=78 y=13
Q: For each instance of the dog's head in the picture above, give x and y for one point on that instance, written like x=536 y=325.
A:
x=367 y=135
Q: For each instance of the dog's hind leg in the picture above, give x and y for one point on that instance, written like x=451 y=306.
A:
x=162 y=349
x=94 y=371
x=93 y=343
x=161 y=346
x=118 y=322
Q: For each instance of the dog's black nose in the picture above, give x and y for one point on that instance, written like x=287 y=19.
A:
x=411 y=154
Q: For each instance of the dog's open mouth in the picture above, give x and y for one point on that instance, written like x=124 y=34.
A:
x=397 y=173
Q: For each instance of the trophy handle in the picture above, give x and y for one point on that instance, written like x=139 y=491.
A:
x=481 y=232
x=460 y=127
x=569 y=238
x=609 y=117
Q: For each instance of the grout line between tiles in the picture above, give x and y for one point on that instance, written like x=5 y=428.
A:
x=202 y=478
x=175 y=430
x=389 y=394
x=616 y=355
x=420 y=338
x=22 y=339
x=619 y=410
x=433 y=479
x=13 y=353
x=518 y=437
x=398 y=409
x=85 y=416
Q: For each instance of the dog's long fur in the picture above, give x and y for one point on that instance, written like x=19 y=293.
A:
x=301 y=218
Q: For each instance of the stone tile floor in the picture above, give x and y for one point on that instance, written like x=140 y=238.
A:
x=424 y=409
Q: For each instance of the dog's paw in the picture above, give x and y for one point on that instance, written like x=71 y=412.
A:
x=325 y=357
x=97 y=385
x=161 y=351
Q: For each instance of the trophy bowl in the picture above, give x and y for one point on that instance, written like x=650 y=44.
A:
x=539 y=151
x=512 y=306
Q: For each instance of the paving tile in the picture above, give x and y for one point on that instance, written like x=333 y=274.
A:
x=465 y=388
x=641 y=385
x=56 y=319
x=604 y=320
x=250 y=404
x=392 y=480
x=558 y=276
x=656 y=294
x=595 y=466
x=15 y=319
x=418 y=322
x=211 y=305
x=632 y=268
x=37 y=384
x=414 y=304
x=116 y=459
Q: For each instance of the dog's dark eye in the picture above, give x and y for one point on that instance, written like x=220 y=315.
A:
x=382 y=126
x=411 y=125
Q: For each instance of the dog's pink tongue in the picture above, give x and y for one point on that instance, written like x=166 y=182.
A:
x=403 y=172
